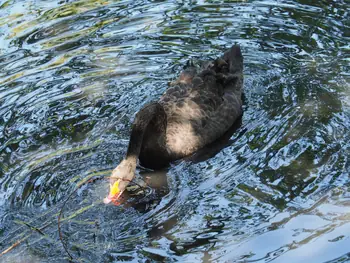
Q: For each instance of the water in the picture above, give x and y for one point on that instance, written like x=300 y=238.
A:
x=74 y=73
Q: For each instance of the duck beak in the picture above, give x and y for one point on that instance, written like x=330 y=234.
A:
x=114 y=193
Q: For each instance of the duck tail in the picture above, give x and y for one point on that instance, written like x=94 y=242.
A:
x=234 y=58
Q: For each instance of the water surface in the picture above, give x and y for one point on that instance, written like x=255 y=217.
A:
x=74 y=73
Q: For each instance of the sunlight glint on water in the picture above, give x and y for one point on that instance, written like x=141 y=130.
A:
x=74 y=73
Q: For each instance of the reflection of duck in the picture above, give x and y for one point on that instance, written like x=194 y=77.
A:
x=198 y=109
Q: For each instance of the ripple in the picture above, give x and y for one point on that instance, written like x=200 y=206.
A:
x=72 y=76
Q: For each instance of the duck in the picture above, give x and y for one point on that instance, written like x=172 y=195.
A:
x=197 y=109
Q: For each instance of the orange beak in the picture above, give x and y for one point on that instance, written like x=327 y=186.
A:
x=114 y=193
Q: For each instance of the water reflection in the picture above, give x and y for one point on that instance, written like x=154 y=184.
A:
x=72 y=76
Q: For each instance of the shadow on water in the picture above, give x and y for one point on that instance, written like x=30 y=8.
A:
x=74 y=73
x=213 y=148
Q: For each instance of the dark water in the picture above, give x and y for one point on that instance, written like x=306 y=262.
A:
x=74 y=73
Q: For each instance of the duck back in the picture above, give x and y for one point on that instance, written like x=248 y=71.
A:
x=203 y=103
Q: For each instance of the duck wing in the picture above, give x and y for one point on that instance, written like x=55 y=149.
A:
x=205 y=101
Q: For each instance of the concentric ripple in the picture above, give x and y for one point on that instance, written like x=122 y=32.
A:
x=73 y=73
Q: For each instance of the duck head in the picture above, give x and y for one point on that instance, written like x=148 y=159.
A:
x=121 y=176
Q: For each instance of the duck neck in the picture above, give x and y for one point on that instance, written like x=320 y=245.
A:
x=150 y=112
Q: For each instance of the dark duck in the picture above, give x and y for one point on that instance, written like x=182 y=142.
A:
x=198 y=108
